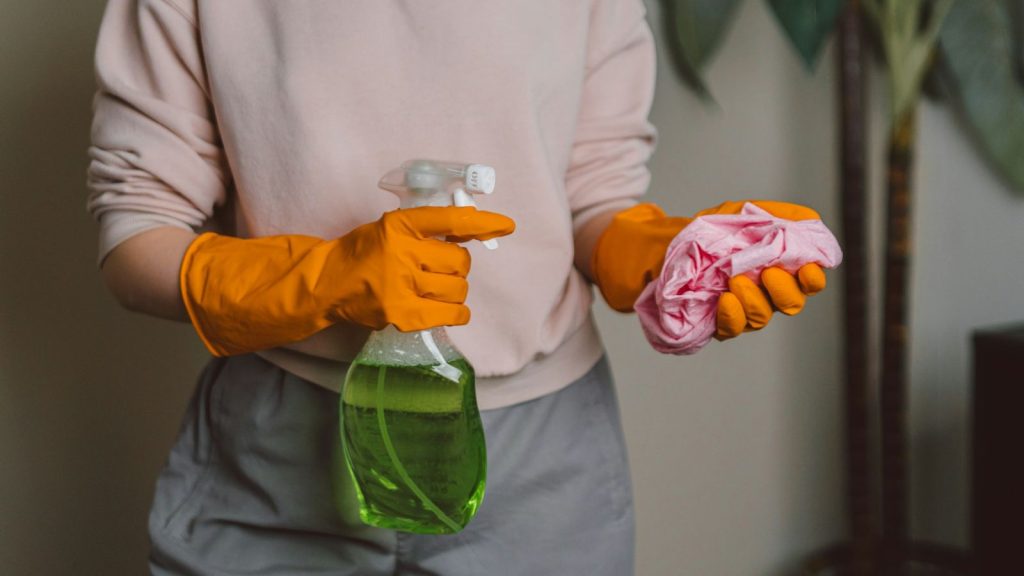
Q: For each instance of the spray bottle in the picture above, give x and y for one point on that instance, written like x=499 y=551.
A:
x=410 y=427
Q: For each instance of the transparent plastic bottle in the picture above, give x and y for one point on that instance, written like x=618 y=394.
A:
x=410 y=427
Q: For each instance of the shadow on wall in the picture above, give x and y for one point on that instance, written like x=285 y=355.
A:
x=90 y=395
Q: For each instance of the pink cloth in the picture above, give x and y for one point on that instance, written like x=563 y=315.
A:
x=678 y=310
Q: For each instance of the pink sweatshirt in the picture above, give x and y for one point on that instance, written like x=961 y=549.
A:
x=263 y=117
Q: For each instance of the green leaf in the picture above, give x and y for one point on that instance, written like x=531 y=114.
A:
x=909 y=31
x=978 y=49
x=694 y=29
x=808 y=23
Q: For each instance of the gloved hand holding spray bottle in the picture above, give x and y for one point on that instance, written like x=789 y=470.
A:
x=411 y=430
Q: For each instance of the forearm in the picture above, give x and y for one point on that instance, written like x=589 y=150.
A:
x=142 y=272
x=613 y=142
x=586 y=241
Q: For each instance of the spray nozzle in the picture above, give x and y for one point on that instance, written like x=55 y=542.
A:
x=436 y=183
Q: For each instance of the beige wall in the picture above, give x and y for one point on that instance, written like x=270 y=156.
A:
x=90 y=395
x=735 y=452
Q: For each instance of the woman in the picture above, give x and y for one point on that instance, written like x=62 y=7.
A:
x=267 y=124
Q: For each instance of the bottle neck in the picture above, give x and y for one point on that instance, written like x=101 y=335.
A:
x=426 y=197
x=421 y=347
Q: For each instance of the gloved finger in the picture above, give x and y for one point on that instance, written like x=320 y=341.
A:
x=755 y=304
x=464 y=223
x=727 y=207
x=787 y=210
x=442 y=287
x=774 y=207
x=443 y=258
x=730 y=318
x=424 y=314
x=811 y=278
x=784 y=290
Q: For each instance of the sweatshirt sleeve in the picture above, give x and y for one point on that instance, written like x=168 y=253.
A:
x=614 y=140
x=155 y=156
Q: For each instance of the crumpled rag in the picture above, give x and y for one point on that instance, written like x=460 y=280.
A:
x=678 y=309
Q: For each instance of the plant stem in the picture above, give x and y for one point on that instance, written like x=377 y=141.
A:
x=861 y=513
x=895 y=338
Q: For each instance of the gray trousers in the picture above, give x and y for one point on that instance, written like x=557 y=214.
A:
x=256 y=485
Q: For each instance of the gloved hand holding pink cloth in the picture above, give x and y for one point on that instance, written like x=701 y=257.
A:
x=678 y=309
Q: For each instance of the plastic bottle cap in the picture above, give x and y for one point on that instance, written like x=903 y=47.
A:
x=480 y=178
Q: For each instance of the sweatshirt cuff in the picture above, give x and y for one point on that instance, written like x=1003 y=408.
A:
x=118 y=226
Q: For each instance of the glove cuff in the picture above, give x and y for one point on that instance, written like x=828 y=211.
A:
x=247 y=294
x=188 y=285
x=631 y=251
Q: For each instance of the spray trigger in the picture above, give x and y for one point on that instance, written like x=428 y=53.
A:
x=462 y=198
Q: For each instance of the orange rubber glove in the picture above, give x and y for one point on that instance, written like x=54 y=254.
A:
x=631 y=252
x=250 y=294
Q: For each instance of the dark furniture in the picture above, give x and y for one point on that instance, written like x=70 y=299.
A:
x=997 y=490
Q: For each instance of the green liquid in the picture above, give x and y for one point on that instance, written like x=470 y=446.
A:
x=414 y=444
